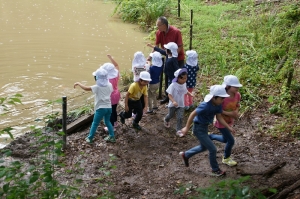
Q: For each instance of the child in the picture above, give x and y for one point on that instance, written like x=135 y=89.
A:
x=113 y=77
x=230 y=112
x=148 y=62
x=171 y=64
x=138 y=65
x=176 y=92
x=155 y=71
x=102 y=91
x=192 y=68
x=133 y=102
x=202 y=116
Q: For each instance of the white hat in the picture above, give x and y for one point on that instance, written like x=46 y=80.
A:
x=178 y=72
x=231 y=80
x=156 y=59
x=139 y=60
x=144 y=75
x=112 y=72
x=173 y=48
x=216 y=90
x=192 y=58
x=101 y=77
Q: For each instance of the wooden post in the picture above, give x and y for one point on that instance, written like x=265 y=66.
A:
x=191 y=30
x=178 y=8
x=64 y=121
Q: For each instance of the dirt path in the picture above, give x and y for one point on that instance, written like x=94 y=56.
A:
x=148 y=165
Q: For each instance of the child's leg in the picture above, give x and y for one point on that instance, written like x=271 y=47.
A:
x=229 y=140
x=171 y=113
x=152 y=91
x=150 y=97
x=107 y=116
x=179 y=112
x=128 y=114
x=98 y=115
x=137 y=106
x=114 y=115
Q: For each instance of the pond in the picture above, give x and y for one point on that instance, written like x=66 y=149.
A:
x=46 y=46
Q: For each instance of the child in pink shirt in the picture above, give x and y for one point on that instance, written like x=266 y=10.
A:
x=113 y=76
x=230 y=112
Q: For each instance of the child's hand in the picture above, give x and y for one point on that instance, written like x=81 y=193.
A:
x=150 y=45
x=145 y=109
x=184 y=131
x=235 y=114
x=175 y=104
x=231 y=130
x=108 y=55
x=76 y=84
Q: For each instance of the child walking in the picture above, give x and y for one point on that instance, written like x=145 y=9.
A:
x=133 y=102
x=230 y=112
x=176 y=92
x=155 y=71
x=113 y=76
x=202 y=116
x=102 y=107
x=192 y=68
x=171 y=64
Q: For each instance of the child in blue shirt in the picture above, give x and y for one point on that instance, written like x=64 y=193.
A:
x=155 y=71
x=202 y=116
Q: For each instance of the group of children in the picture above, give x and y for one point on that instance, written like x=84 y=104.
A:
x=222 y=102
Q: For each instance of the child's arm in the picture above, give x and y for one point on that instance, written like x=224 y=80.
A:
x=86 y=88
x=185 y=129
x=190 y=94
x=172 y=100
x=113 y=61
x=155 y=48
x=126 y=102
x=234 y=114
x=146 y=103
x=222 y=121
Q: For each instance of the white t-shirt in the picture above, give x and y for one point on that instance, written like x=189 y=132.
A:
x=136 y=72
x=102 y=96
x=177 y=91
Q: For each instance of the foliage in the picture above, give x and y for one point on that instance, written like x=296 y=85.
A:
x=225 y=189
x=86 y=109
x=126 y=77
x=143 y=12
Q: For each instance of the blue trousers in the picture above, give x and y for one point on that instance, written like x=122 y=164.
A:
x=227 y=138
x=99 y=114
x=201 y=132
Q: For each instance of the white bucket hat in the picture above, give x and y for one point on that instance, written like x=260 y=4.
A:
x=101 y=77
x=156 y=59
x=173 y=48
x=178 y=72
x=112 y=72
x=139 y=60
x=144 y=75
x=192 y=58
x=216 y=90
x=231 y=80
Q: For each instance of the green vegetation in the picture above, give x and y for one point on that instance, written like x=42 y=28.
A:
x=225 y=189
x=258 y=43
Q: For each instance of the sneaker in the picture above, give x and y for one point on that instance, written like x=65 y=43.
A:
x=185 y=160
x=88 y=140
x=155 y=108
x=218 y=173
x=186 y=108
x=229 y=161
x=149 y=112
x=167 y=124
x=136 y=126
x=179 y=133
x=122 y=119
x=105 y=129
x=110 y=139
x=133 y=115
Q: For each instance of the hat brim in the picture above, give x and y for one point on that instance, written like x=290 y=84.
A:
x=208 y=97
x=148 y=80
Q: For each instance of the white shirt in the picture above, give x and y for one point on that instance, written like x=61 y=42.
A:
x=177 y=91
x=102 y=96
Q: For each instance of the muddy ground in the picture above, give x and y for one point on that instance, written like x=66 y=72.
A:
x=147 y=164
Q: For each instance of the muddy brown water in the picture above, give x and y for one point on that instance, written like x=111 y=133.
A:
x=46 y=46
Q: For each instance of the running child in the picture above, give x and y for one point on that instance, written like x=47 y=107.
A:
x=230 y=112
x=202 y=116
x=102 y=107
x=176 y=92
x=133 y=102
